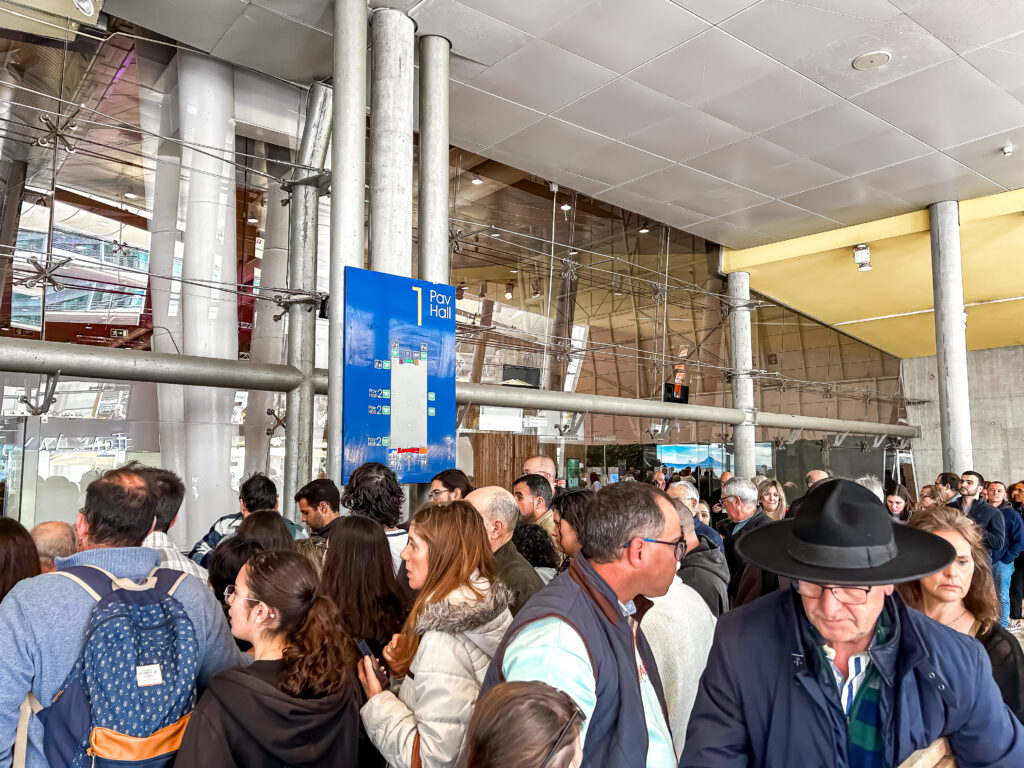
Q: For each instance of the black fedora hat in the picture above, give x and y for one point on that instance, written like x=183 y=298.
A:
x=845 y=536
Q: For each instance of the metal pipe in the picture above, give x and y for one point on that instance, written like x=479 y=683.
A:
x=348 y=209
x=391 y=129
x=302 y=244
x=433 y=171
x=950 y=337
x=741 y=361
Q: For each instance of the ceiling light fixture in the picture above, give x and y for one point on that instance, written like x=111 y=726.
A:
x=509 y=288
x=130 y=196
x=252 y=220
x=566 y=207
x=514 y=271
x=495 y=234
x=573 y=253
x=862 y=257
x=460 y=290
x=87 y=7
x=1008 y=150
x=873 y=60
x=644 y=229
x=616 y=285
x=477 y=180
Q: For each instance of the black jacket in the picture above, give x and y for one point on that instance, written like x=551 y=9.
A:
x=991 y=522
x=706 y=571
x=1007 y=659
x=244 y=720
x=732 y=557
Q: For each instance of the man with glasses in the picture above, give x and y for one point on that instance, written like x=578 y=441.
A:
x=837 y=670
x=581 y=633
x=739 y=500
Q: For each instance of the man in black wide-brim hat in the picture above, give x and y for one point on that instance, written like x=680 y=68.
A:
x=837 y=671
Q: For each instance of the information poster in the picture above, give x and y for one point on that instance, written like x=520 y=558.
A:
x=399 y=394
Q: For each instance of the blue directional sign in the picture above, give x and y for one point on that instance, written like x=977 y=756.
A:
x=399 y=398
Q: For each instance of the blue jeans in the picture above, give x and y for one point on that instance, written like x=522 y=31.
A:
x=1002 y=573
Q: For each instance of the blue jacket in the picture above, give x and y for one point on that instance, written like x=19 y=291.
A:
x=991 y=523
x=760 y=703
x=617 y=733
x=1014 y=533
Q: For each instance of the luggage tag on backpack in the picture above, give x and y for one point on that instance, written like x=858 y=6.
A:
x=148 y=675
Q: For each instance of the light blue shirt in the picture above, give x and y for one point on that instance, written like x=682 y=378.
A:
x=551 y=651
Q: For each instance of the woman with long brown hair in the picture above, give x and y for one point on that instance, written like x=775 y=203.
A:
x=771 y=496
x=18 y=556
x=297 y=705
x=445 y=645
x=962 y=596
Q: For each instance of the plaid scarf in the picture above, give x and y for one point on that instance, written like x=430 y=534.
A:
x=865 y=745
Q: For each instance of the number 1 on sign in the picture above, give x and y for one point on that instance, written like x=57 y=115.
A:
x=419 y=304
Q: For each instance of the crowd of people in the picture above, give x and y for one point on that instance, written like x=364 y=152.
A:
x=674 y=622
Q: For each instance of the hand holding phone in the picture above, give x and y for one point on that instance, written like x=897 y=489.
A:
x=378 y=670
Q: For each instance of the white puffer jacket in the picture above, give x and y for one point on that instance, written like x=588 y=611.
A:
x=458 y=637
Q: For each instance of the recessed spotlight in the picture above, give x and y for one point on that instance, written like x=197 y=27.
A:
x=130 y=196
x=477 y=180
x=644 y=229
x=566 y=207
x=873 y=60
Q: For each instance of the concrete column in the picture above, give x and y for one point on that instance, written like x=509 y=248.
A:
x=950 y=337
x=391 y=128
x=348 y=195
x=303 y=232
x=267 y=345
x=167 y=324
x=209 y=314
x=742 y=361
x=433 y=170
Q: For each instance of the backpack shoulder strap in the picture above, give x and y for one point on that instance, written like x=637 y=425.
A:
x=30 y=706
x=167 y=579
x=96 y=581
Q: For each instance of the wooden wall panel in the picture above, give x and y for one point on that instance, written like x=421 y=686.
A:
x=498 y=457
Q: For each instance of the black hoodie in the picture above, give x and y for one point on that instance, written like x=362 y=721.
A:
x=705 y=569
x=244 y=719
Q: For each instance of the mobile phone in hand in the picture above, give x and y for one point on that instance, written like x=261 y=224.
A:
x=365 y=650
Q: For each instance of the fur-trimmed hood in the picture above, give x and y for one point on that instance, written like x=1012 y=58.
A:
x=481 y=620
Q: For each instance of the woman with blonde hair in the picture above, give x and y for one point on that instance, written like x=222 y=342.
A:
x=932 y=496
x=962 y=596
x=445 y=645
x=772 y=498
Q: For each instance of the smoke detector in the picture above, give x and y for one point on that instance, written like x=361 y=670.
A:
x=873 y=60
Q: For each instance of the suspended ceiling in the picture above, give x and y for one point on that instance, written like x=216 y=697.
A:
x=741 y=122
x=891 y=306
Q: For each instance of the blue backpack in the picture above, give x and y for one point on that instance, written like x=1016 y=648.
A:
x=128 y=698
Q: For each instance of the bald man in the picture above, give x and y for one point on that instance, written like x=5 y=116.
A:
x=500 y=513
x=541 y=465
x=53 y=539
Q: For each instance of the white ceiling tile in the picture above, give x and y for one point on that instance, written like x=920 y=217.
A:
x=254 y=40
x=851 y=201
x=696 y=191
x=966 y=24
x=622 y=35
x=715 y=11
x=729 y=79
x=581 y=184
x=615 y=163
x=780 y=220
x=542 y=76
x=758 y=164
x=462 y=70
x=619 y=108
x=548 y=144
x=986 y=157
x=178 y=20
x=313 y=13
x=1003 y=64
x=930 y=179
x=533 y=16
x=847 y=139
x=474 y=35
x=666 y=213
x=822 y=42
x=729 y=235
x=946 y=105
x=485 y=119
x=688 y=134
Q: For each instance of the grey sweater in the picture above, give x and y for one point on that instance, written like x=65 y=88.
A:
x=41 y=625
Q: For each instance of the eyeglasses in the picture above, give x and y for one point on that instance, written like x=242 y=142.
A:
x=231 y=592
x=679 y=545
x=575 y=716
x=845 y=595
x=435 y=495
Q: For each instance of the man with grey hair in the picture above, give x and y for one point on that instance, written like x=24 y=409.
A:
x=587 y=620
x=739 y=500
x=53 y=539
x=685 y=492
x=873 y=484
x=500 y=513
x=543 y=466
